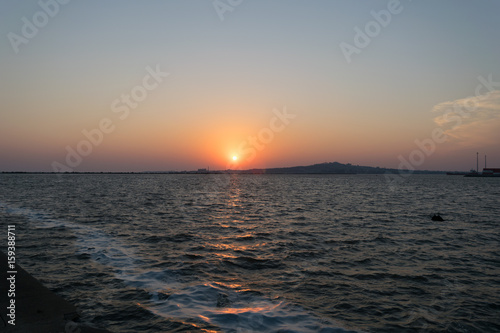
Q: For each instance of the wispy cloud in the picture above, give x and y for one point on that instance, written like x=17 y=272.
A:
x=472 y=121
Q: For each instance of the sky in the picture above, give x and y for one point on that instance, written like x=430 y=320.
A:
x=187 y=84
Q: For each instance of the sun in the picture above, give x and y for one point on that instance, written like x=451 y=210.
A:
x=235 y=158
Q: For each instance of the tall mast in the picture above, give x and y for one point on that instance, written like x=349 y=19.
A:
x=485 y=161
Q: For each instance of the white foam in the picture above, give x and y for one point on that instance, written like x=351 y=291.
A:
x=44 y=220
x=243 y=314
x=227 y=307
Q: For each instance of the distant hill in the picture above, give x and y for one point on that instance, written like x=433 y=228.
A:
x=331 y=168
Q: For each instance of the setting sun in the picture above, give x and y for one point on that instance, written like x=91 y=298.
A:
x=235 y=158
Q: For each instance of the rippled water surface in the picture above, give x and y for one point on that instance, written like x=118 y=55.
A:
x=263 y=253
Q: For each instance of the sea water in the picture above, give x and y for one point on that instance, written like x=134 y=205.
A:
x=262 y=253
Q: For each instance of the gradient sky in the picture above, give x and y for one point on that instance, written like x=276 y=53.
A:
x=418 y=74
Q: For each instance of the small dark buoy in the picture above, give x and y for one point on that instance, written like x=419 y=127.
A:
x=437 y=217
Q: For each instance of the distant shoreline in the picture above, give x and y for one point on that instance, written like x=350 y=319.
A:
x=328 y=168
x=232 y=172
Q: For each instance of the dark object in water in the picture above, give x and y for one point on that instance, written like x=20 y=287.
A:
x=437 y=217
